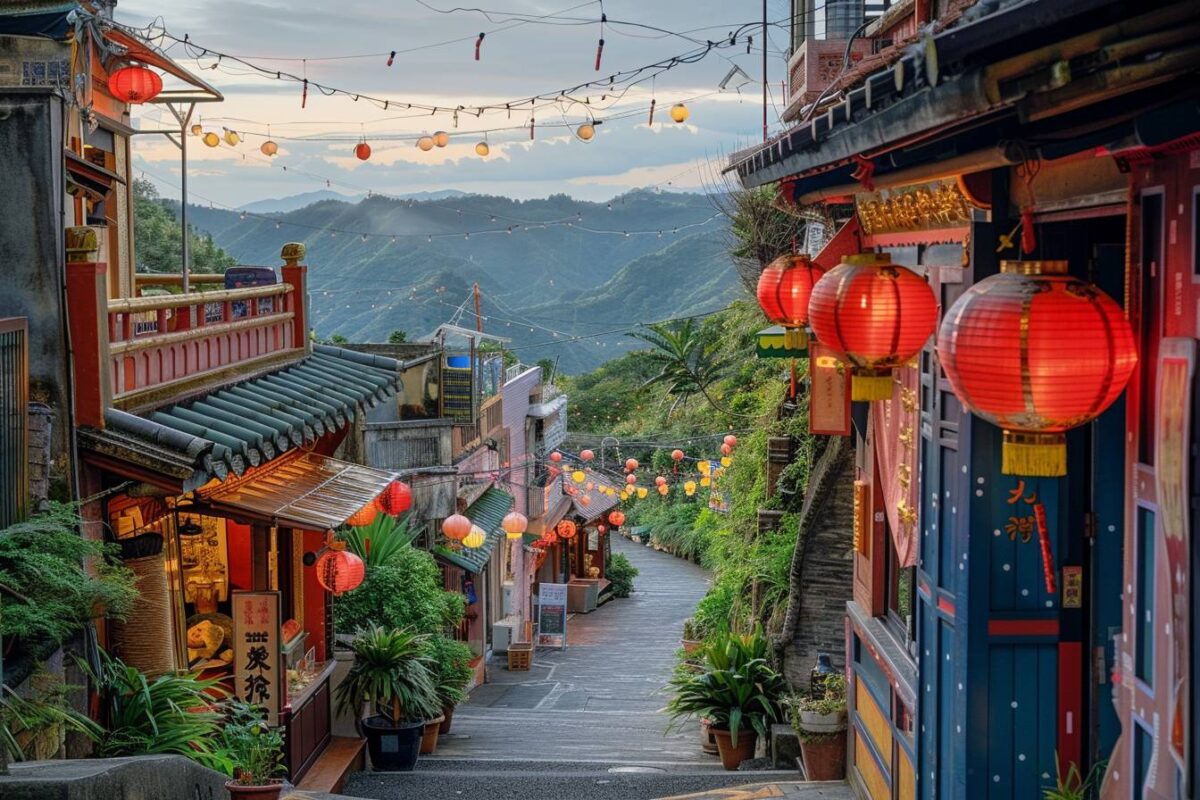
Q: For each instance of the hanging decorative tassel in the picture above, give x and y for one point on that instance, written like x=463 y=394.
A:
x=1039 y=515
x=600 y=46
x=651 y=122
x=864 y=173
x=749 y=44
x=478 y=42
x=1041 y=455
x=531 y=121
x=1028 y=234
x=304 y=94
x=391 y=58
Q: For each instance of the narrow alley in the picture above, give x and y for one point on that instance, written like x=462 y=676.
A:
x=584 y=722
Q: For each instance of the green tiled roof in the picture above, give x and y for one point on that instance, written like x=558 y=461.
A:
x=487 y=512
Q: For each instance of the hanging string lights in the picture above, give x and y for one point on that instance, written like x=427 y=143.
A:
x=482 y=149
x=441 y=138
x=232 y=137
x=425 y=143
x=211 y=139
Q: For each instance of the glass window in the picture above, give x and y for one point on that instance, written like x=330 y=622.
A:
x=901 y=594
x=1144 y=621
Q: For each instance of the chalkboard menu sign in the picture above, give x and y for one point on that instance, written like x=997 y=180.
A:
x=552 y=615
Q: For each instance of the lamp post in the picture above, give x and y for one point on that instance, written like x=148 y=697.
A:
x=183 y=115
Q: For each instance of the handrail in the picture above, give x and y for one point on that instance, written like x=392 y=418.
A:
x=134 y=305
x=175 y=278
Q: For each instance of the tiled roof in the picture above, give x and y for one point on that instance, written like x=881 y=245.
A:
x=487 y=512
x=599 y=502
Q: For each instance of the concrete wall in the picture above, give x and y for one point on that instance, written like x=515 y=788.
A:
x=31 y=256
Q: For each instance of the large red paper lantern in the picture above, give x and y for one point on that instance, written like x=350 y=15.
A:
x=784 y=289
x=134 y=84
x=566 y=529
x=340 y=571
x=395 y=499
x=1036 y=352
x=456 y=527
x=616 y=519
x=362 y=151
x=877 y=315
x=364 y=516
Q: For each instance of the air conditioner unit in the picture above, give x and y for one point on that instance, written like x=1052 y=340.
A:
x=503 y=633
x=506 y=604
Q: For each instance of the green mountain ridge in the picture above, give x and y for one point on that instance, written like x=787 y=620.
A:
x=545 y=283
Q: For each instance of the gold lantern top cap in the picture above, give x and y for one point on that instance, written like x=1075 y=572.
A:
x=1033 y=267
x=293 y=252
x=868 y=260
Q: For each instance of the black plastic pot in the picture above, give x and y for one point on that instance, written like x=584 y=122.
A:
x=393 y=748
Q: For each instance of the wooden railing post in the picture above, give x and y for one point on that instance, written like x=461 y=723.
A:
x=87 y=323
x=296 y=274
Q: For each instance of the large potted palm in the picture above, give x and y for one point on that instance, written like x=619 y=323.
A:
x=736 y=689
x=391 y=672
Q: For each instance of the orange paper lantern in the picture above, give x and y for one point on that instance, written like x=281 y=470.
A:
x=456 y=527
x=677 y=455
x=1036 y=352
x=566 y=529
x=660 y=480
x=631 y=464
x=515 y=524
x=364 y=516
x=731 y=440
x=631 y=479
x=587 y=455
x=556 y=456
x=617 y=519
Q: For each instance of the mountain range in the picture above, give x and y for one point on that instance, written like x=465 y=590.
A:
x=562 y=278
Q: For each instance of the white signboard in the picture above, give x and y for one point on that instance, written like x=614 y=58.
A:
x=552 y=615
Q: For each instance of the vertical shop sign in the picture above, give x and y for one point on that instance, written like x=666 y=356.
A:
x=829 y=400
x=552 y=615
x=256 y=650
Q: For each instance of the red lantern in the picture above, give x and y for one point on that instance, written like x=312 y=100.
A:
x=631 y=479
x=556 y=456
x=1036 y=352
x=601 y=528
x=396 y=499
x=783 y=292
x=362 y=150
x=617 y=519
x=456 y=527
x=877 y=314
x=731 y=440
x=726 y=449
x=631 y=464
x=364 y=516
x=585 y=501
x=134 y=84
x=587 y=455
x=566 y=529
x=340 y=571
x=677 y=455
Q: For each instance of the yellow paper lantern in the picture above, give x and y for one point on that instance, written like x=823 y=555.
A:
x=726 y=461
x=642 y=492
x=706 y=481
x=475 y=538
x=679 y=112
x=211 y=139
x=624 y=496
x=586 y=131
x=425 y=143
x=441 y=138
x=704 y=467
x=197 y=129
x=578 y=476
x=689 y=486
x=482 y=149
x=232 y=137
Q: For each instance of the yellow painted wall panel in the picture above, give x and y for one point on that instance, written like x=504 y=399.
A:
x=871 y=777
x=906 y=780
x=873 y=719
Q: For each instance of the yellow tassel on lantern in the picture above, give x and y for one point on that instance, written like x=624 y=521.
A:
x=578 y=476
x=869 y=386
x=1034 y=455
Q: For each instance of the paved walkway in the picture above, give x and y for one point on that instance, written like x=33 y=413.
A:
x=586 y=723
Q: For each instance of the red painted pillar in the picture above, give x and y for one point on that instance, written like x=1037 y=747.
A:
x=296 y=274
x=87 y=322
x=1070 y=703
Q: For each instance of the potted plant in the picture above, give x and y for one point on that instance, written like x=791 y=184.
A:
x=735 y=689
x=820 y=723
x=692 y=640
x=1073 y=785
x=452 y=674
x=255 y=752
x=392 y=672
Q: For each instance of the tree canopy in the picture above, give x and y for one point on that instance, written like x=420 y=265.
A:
x=158 y=238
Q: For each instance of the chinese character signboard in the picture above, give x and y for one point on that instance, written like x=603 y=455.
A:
x=829 y=401
x=552 y=615
x=256 y=651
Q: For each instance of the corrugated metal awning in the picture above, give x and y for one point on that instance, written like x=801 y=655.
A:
x=550 y=407
x=307 y=491
x=487 y=512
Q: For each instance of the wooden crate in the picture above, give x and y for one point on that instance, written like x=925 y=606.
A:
x=520 y=656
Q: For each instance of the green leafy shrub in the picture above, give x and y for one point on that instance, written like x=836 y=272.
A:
x=254 y=749
x=393 y=671
x=32 y=728
x=406 y=592
x=621 y=573
x=380 y=542
x=451 y=664
x=169 y=714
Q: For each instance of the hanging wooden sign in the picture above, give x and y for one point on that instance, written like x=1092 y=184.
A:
x=829 y=400
x=258 y=671
x=860 y=517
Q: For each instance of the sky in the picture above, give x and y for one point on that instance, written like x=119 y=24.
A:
x=435 y=65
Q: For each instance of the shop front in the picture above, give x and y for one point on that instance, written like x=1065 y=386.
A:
x=230 y=537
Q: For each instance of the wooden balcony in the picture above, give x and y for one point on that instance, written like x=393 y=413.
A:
x=464 y=439
x=410 y=445
x=491 y=417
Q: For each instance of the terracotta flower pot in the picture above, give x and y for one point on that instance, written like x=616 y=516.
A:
x=430 y=736
x=690 y=645
x=707 y=743
x=268 y=791
x=447 y=718
x=824 y=756
x=731 y=756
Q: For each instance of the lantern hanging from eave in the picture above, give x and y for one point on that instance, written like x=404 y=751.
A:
x=515 y=524
x=877 y=314
x=475 y=538
x=339 y=570
x=631 y=479
x=587 y=455
x=731 y=440
x=616 y=519
x=579 y=476
x=556 y=457
x=784 y=290
x=364 y=516
x=566 y=529
x=631 y=464
x=456 y=527
x=1036 y=352
x=395 y=499
x=134 y=84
